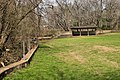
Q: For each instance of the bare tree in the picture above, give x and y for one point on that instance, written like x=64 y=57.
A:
x=16 y=25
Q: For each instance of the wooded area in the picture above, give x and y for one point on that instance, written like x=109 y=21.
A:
x=23 y=21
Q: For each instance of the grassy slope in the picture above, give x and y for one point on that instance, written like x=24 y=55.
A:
x=80 y=58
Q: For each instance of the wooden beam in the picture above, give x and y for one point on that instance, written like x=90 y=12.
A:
x=80 y=32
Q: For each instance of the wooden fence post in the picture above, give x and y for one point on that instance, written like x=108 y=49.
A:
x=23 y=49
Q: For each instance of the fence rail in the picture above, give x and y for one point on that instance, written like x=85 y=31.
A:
x=22 y=61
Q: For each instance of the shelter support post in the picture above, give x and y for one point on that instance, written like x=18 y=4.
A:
x=88 y=32
x=80 y=32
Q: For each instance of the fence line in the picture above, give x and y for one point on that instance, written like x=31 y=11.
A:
x=22 y=61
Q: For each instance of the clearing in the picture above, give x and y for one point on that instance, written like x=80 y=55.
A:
x=77 y=58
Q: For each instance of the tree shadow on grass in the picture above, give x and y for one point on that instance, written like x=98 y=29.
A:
x=109 y=75
x=44 y=46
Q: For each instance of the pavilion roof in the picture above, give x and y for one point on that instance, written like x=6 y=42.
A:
x=83 y=27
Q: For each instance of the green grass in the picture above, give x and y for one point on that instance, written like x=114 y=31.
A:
x=78 y=58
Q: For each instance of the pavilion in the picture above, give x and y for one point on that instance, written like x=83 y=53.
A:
x=84 y=30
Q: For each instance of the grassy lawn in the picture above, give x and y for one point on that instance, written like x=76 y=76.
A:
x=78 y=58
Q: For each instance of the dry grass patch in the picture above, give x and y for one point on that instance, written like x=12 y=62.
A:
x=71 y=57
x=109 y=62
x=105 y=49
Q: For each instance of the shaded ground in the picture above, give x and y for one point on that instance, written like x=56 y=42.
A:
x=78 y=58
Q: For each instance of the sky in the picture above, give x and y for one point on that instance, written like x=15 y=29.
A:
x=54 y=2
